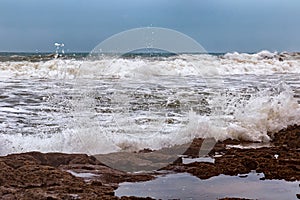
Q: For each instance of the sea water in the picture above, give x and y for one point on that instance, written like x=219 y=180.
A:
x=186 y=186
x=95 y=106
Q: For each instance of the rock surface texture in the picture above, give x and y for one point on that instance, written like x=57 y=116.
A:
x=51 y=176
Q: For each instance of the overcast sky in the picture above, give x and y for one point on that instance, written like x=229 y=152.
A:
x=218 y=25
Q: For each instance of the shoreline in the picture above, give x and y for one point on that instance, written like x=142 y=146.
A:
x=36 y=175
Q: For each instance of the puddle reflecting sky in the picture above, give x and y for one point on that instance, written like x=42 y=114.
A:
x=186 y=186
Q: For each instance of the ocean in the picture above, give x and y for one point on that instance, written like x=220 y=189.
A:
x=76 y=104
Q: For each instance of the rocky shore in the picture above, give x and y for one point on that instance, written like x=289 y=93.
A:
x=278 y=161
x=36 y=175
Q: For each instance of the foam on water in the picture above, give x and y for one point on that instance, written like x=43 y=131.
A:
x=263 y=113
x=249 y=119
x=183 y=65
x=104 y=116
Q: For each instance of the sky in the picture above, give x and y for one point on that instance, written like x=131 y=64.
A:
x=218 y=25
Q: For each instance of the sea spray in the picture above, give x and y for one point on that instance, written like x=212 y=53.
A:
x=178 y=65
x=250 y=104
x=268 y=111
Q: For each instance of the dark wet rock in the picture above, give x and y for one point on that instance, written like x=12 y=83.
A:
x=280 y=161
x=194 y=148
x=145 y=150
x=143 y=160
x=288 y=138
x=50 y=159
x=36 y=175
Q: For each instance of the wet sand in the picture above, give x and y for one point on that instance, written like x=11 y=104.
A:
x=36 y=175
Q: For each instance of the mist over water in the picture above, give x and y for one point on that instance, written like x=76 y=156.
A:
x=128 y=104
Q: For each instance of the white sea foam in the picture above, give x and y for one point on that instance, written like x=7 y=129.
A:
x=265 y=112
x=67 y=141
x=183 y=65
x=234 y=113
x=252 y=119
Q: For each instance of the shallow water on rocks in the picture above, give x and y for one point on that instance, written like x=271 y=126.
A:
x=186 y=186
